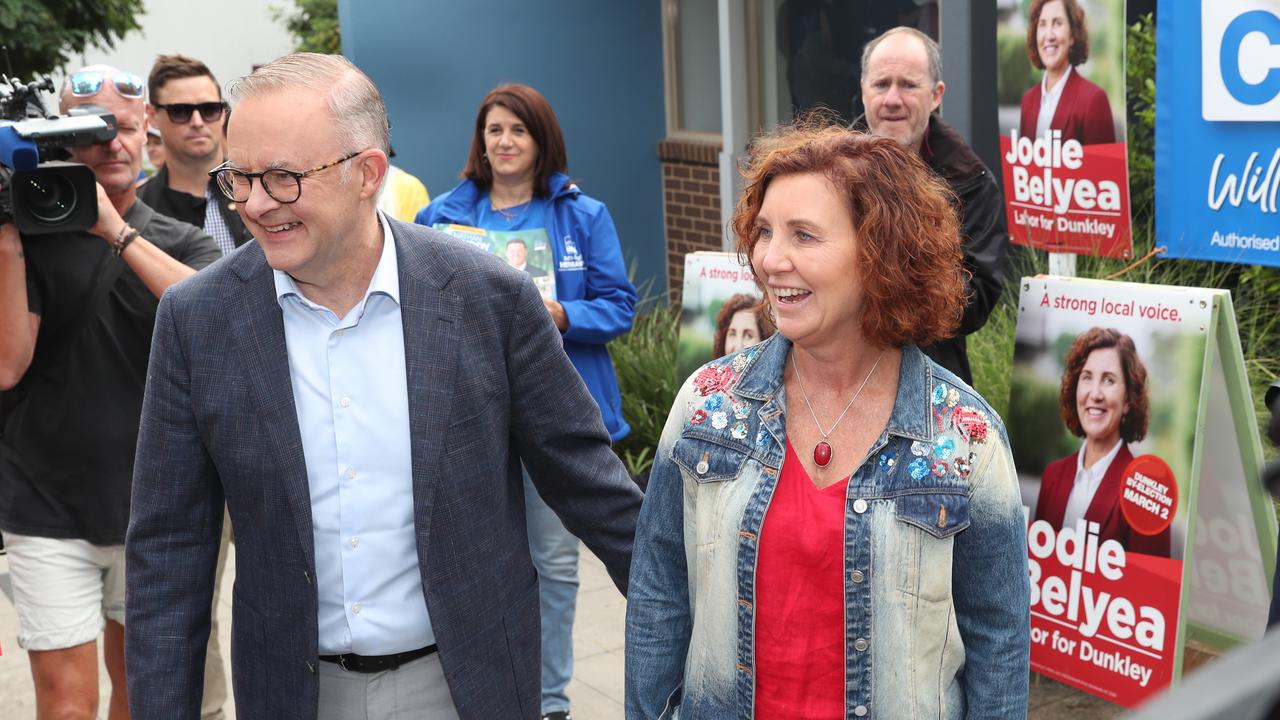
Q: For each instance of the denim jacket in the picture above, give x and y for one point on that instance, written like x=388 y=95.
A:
x=937 y=621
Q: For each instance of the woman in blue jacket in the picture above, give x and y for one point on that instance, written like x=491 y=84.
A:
x=515 y=181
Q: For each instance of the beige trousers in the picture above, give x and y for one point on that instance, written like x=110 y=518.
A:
x=215 y=677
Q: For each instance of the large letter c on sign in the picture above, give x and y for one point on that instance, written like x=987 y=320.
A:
x=1248 y=93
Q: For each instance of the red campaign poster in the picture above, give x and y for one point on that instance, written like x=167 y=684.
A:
x=1062 y=196
x=1103 y=413
x=1102 y=619
x=1061 y=93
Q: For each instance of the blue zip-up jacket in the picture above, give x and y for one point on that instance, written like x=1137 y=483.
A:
x=591 y=280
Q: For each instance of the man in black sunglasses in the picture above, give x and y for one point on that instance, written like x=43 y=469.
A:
x=76 y=315
x=187 y=107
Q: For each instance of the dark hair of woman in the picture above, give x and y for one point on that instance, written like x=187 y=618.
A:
x=539 y=119
x=735 y=304
x=1133 y=426
x=1079 y=51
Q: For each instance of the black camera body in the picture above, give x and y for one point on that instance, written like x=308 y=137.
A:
x=40 y=192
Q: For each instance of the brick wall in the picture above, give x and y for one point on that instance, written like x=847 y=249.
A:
x=691 y=203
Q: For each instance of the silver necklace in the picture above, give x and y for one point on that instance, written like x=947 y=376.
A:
x=822 y=451
x=511 y=212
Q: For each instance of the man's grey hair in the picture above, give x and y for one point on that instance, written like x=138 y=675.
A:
x=931 y=49
x=359 y=113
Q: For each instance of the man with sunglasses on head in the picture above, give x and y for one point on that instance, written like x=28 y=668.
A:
x=361 y=392
x=186 y=106
x=76 y=317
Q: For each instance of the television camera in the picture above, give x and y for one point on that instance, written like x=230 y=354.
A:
x=40 y=191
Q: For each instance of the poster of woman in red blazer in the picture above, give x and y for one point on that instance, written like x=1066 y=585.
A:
x=1103 y=399
x=1057 y=43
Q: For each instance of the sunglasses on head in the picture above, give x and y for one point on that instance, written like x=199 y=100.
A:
x=181 y=112
x=88 y=83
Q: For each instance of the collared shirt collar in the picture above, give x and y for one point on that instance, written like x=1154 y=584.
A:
x=762 y=380
x=385 y=280
x=1049 y=101
x=1099 y=468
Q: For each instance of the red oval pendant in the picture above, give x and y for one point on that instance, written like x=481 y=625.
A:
x=822 y=454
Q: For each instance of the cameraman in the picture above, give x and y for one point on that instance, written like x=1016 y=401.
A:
x=76 y=315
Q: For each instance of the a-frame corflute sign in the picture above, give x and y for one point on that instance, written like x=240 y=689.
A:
x=1140 y=467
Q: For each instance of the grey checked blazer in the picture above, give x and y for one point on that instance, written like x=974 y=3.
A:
x=489 y=385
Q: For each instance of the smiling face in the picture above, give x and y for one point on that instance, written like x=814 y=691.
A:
x=743 y=332
x=193 y=141
x=897 y=90
x=807 y=258
x=115 y=164
x=309 y=239
x=511 y=150
x=1100 y=396
x=517 y=253
x=1053 y=36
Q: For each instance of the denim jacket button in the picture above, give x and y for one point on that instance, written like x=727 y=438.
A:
x=859 y=506
x=857 y=576
x=860 y=645
x=860 y=711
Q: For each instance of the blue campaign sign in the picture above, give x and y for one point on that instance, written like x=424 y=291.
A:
x=1218 y=130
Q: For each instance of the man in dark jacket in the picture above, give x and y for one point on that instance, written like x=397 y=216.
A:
x=902 y=87
x=187 y=108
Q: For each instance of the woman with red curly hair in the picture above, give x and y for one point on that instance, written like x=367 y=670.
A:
x=1103 y=399
x=832 y=526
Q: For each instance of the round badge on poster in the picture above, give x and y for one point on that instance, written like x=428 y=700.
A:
x=1148 y=495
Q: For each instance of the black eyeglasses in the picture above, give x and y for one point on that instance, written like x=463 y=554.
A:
x=180 y=113
x=284 y=186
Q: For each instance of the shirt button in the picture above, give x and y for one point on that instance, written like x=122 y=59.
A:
x=355 y=542
x=351 y=473
x=859 y=506
x=860 y=711
x=340 y=333
x=345 y=402
x=857 y=576
x=860 y=645
x=355 y=608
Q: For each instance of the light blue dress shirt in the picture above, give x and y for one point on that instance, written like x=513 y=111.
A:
x=352 y=400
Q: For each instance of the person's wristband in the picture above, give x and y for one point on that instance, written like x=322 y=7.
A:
x=126 y=235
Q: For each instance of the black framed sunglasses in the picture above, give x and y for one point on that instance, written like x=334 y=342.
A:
x=284 y=186
x=181 y=113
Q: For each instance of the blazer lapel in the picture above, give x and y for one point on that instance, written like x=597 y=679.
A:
x=431 y=317
x=259 y=338
x=1105 y=507
x=1062 y=115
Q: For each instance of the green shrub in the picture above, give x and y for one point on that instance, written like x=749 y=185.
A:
x=645 y=361
x=1015 y=72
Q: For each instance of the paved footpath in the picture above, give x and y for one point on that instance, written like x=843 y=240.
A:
x=596 y=690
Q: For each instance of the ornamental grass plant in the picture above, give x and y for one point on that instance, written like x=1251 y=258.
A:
x=645 y=362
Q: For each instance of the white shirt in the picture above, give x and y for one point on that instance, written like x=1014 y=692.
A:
x=1049 y=101
x=1086 y=484
x=351 y=394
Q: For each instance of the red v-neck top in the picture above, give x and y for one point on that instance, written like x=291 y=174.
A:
x=799 y=635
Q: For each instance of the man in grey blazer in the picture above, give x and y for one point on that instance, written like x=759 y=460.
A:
x=361 y=392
